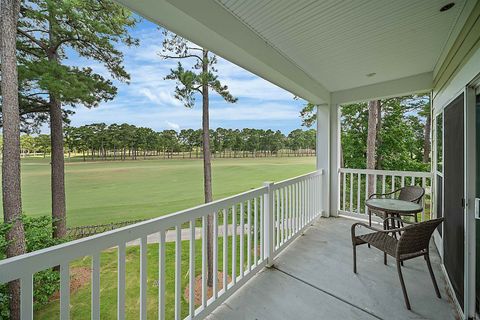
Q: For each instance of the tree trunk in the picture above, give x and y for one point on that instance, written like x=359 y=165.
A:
x=426 y=138
x=59 y=217
x=207 y=170
x=11 y=186
x=373 y=107
x=378 y=137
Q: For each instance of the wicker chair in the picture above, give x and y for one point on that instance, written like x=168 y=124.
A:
x=413 y=242
x=407 y=193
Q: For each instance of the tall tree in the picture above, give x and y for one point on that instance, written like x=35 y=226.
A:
x=46 y=29
x=11 y=187
x=199 y=78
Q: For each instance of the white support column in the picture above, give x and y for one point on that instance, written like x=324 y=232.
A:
x=328 y=156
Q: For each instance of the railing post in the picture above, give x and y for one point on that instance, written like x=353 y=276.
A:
x=268 y=223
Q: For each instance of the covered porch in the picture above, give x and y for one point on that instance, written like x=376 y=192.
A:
x=313 y=279
x=329 y=53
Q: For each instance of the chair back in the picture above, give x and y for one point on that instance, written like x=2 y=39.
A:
x=416 y=237
x=411 y=193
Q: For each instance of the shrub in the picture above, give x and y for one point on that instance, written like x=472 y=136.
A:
x=38 y=235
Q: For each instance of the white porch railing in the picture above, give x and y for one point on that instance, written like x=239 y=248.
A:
x=268 y=218
x=354 y=185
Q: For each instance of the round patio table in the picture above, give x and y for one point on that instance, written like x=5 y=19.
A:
x=394 y=207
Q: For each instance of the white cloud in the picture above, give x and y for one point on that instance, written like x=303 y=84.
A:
x=160 y=97
x=172 y=125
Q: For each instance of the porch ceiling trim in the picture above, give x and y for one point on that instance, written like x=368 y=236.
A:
x=232 y=40
x=419 y=83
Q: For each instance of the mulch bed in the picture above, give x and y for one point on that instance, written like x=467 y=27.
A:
x=198 y=288
x=79 y=277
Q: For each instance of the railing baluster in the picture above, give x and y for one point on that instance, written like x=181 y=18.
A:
x=121 y=281
x=393 y=186
x=403 y=181
x=294 y=211
x=64 y=291
x=375 y=183
x=424 y=186
x=383 y=183
x=344 y=189
x=297 y=205
x=26 y=297
x=143 y=278
x=287 y=205
x=289 y=221
x=95 y=304
x=366 y=192
x=309 y=200
x=215 y=255
x=305 y=205
x=255 y=231
x=161 y=276
x=281 y=213
x=178 y=271
x=225 y=250
x=351 y=192
x=234 y=245
x=285 y=221
x=261 y=218
x=242 y=240
x=412 y=183
x=204 y=261
x=191 y=286
x=359 y=184
x=249 y=235
x=276 y=222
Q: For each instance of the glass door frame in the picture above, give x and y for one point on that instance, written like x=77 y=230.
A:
x=470 y=195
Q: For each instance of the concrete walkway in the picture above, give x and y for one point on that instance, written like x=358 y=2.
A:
x=313 y=279
x=171 y=235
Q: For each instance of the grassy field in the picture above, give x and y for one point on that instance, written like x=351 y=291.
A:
x=112 y=191
x=80 y=298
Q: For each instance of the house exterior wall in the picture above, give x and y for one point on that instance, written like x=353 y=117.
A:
x=455 y=75
x=460 y=65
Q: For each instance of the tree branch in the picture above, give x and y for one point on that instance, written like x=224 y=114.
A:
x=31 y=38
x=181 y=57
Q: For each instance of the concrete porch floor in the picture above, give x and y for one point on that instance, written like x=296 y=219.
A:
x=313 y=279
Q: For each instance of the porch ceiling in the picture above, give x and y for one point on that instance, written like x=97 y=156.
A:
x=318 y=48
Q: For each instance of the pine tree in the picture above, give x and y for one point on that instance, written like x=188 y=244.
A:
x=48 y=28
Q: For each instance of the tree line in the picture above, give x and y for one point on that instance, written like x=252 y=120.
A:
x=126 y=141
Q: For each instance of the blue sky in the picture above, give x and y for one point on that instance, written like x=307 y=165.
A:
x=148 y=99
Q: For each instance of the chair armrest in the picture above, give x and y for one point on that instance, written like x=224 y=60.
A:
x=361 y=224
x=381 y=194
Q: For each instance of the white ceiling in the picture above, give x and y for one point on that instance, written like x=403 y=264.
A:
x=338 y=43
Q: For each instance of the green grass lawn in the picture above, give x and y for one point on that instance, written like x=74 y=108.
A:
x=112 y=191
x=80 y=300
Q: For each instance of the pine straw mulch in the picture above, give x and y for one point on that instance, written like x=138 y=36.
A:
x=79 y=277
x=198 y=288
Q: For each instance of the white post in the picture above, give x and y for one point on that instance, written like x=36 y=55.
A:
x=268 y=223
x=328 y=156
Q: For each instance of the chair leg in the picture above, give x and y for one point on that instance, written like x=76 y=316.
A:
x=354 y=259
x=427 y=258
x=384 y=258
x=402 y=283
x=369 y=222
